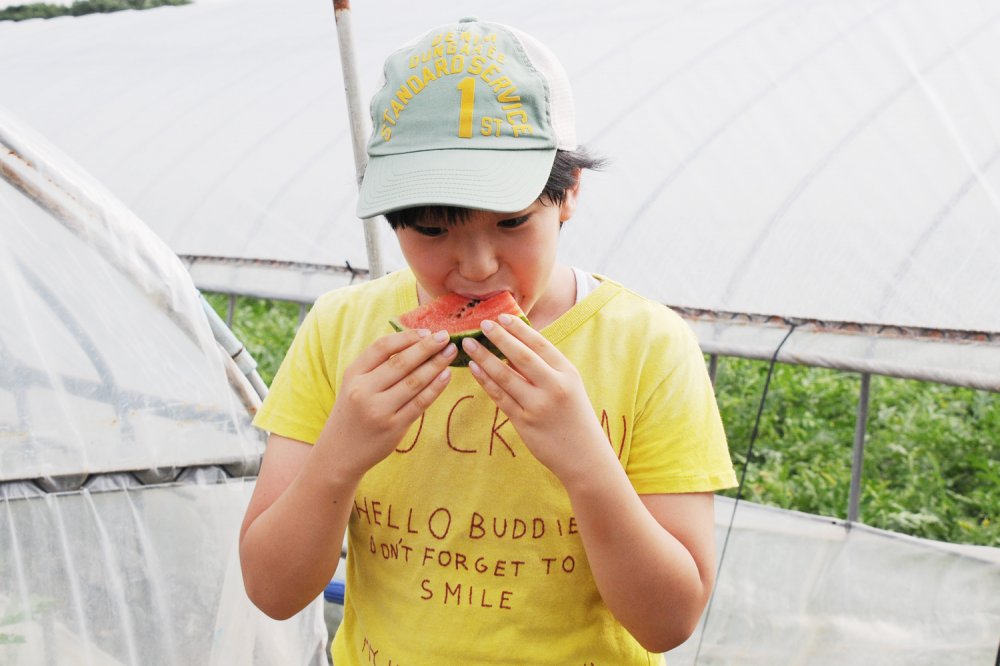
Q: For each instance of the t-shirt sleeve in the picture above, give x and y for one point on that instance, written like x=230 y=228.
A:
x=679 y=443
x=302 y=394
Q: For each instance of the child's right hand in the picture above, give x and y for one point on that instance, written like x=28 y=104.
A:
x=384 y=391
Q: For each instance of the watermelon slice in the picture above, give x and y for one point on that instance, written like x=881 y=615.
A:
x=460 y=316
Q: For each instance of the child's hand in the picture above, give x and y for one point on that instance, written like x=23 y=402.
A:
x=384 y=390
x=542 y=394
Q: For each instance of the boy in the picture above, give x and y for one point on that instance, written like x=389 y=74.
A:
x=552 y=508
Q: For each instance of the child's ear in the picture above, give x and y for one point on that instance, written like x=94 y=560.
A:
x=568 y=205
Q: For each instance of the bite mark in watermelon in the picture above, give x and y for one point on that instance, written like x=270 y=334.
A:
x=460 y=316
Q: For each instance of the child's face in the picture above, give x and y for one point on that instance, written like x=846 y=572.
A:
x=489 y=253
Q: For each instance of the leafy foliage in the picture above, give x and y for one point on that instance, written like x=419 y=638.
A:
x=266 y=328
x=79 y=8
x=932 y=452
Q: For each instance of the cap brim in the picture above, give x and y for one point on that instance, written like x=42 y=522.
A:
x=501 y=181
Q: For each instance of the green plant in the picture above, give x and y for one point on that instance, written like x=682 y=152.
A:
x=12 y=618
x=266 y=327
x=932 y=455
x=79 y=8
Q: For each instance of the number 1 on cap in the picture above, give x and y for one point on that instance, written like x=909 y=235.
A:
x=468 y=88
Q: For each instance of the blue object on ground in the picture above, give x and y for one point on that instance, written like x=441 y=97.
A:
x=334 y=592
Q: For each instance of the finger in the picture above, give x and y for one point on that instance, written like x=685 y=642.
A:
x=501 y=398
x=498 y=373
x=531 y=338
x=419 y=403
x=388 y=345
x=522 y=358
x=397 y=366
x=412 y=384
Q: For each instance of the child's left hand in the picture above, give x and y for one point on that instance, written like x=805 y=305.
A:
x=651 y=556
x=542 y=394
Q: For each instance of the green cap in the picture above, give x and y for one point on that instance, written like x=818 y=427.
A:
x=471 y=115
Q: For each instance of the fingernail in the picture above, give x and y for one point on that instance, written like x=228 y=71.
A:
x=441 y=336
x=470 y=345
x=505 y=319
x=444 y=375
x=475 y=369
x=450 y=350
x=423 y=332
x=487 y=325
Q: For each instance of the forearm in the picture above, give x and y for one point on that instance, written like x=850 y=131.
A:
x=290 y=551
x=646 y=576
x=294 y=526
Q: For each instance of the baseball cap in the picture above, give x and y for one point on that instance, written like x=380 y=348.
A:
x=470 y=114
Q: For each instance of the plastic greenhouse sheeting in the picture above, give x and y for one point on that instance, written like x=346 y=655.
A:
x=802 y=590
x=125 y=439
x=835 y=161
x=828 y=160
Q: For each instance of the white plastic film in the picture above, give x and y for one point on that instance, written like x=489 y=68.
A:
x=828 y=160
x=124 y=574
x=108 y=362
x=110 y=377
x=796 y=589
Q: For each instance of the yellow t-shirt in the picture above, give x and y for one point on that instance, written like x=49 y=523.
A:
x=463 y=548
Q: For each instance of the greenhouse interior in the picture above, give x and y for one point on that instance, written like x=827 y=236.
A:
x=806 y=183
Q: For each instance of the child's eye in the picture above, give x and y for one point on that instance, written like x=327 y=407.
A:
x=513 y=223
x=428 y=231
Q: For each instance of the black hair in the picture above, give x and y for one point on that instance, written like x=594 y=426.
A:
x=564 y=175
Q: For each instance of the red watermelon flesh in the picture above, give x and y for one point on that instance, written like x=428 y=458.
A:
x=461 y=317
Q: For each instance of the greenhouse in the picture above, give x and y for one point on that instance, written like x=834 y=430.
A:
x=806 y=183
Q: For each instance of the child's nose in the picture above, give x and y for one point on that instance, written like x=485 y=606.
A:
x=477 y=261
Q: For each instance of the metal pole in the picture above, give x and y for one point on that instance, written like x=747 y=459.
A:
x=359 y=125
x=860 y=426
x=713 y=367
x=236 y=350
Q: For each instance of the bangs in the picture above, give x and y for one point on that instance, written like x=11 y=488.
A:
x=410 y=217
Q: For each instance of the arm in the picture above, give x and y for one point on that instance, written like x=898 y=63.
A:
x=652 y=557
x=294 y=526
x=292 y=532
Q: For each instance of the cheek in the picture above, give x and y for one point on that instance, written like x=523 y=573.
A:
x=417 y=254
x=429 y=264
x=541 y=248
x=533 y=262
x=427 y=268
